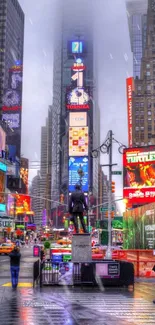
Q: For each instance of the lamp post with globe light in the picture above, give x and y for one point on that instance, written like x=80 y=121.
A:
x=106 y=147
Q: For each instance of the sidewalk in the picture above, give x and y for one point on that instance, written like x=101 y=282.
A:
x=74 y=306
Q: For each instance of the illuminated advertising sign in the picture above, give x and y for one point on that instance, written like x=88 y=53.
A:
x=3 y=167
x=24 y=175
x=23 y=203
x=77 y=96
x=77 y=47
x=78 y=119
x=139 y=175
x=2 y=207
x=2 y=140
x=129 y=87
x=11 y=100
x=77 y=99
x=78 y=173
x=12 y=120
x=78 y=141
x=2 y=185
x=12 y=106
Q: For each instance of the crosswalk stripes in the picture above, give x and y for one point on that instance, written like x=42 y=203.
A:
x=56 y=306
x=137 y=310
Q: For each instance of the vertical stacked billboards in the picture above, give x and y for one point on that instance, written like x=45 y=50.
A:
x=78 y=104
x=12 y=108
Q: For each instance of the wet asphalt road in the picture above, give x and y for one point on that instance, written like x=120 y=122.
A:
x=69 y=305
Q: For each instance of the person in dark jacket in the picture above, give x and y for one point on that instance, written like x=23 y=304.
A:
x=42 y=254
x=77 y=203
x=15 y=266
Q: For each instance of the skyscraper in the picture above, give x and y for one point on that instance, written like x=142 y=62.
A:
x=11 y=61
x=144 y=95
x=41 y=184
x=35 y=197
x=75 y=112
x=136 y=12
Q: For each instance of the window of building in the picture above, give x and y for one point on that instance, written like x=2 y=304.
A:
x=141 y=104
x=137 y=128
x=149 y=118
x=148 y=87
x=139 y=87
x=149 y=135
x=149 y=105
x=137 y=104
x=149 y=128
x=149 y=112
x=148 y=73
x=142 y=136
x=148 y=65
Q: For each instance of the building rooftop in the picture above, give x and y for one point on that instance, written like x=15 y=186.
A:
x=136 y=7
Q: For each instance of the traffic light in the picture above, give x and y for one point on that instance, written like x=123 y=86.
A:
x=61 y=198
x=112 y=214
x=113 y=187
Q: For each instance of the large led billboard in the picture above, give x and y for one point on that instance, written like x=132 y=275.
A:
x=129 y=89
x=139 y=175
x=77 y=119
x=18 y=203
x=24 y=175
x=2 y=187
x=12 y=120
x=77 y=47
x=2 y=140
x=77 y=95
x=78 y=173
x=78 y=141
x=12 y=106
x=78 y=99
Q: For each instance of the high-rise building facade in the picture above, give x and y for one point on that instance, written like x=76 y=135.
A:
x=143 y=118
x=11 y=66
x=41 y=184
x=75 y=112
x=136 y=12
x=35 y=199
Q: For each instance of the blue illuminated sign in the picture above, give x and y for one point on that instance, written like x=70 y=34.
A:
x=3 y=167
x=77 y=166
x=2 y=207
x=77 y=47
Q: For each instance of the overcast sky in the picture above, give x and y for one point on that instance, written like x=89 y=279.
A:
x=115 y=63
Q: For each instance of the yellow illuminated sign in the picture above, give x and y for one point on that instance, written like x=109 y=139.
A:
x=78 y=141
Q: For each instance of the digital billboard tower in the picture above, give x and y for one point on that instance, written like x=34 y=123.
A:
x=11 y=60
x=12 y=107
x=75 y=112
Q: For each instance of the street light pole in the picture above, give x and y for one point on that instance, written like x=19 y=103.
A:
x=106 y=147
x=108 y=251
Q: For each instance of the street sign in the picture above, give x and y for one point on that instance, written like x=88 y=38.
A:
x=103 y=209
x=116 y=172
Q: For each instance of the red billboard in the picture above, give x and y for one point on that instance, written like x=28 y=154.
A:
x=139 y=175
x=129 y=88
x=18 y=203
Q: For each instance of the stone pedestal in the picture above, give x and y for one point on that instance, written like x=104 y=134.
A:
x=81 y=248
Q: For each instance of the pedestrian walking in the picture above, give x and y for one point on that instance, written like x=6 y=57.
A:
x=15 y=266
x=42 y=254
x=77 y=203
